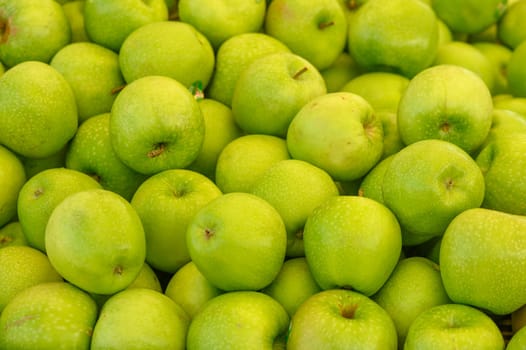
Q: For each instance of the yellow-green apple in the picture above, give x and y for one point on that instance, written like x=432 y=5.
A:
x=33 y=166
x=392 y=139
x=74 y=11
x=516 y=71
x=12 y=179
x=371 y=186
x=11 y=234
x=515 y=104
x=499 y=56
x=510 y=28
x=504 y=124
x=342 y=70
x=518 y=340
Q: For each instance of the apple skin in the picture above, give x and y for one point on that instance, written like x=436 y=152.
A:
x=510 y=28
x=453 y=326
x=499 y=56
x=341 y=71
x=74 y=11
x=341 y=319
x=352 y=242
x=11 y=234
x=518 y=340
x=371 y=186
x=482 y=259
x=239 y=320
x=12 y=179
x=516 y=73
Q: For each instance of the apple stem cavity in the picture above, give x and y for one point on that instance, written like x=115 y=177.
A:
x=299 y=73
x=5 y=29
x=117 y=270
x=348 y=311
x=157 y=150
x=5 y=240
x=445 y=127
x=38 y=192
x=324 y=25
x=209 y=233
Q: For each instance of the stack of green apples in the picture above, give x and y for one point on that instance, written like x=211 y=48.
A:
x=262 y=174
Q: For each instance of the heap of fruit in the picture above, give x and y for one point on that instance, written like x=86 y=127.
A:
x=251 y=174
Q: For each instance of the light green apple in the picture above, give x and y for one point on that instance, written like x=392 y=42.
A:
x=406 y=43
x=482 y=259
x=190 y=289
x=2 y=68
x=518 y=340
x=108 y=23
x=444 y=32
x=166 y=203
x=239 y=320
x=341 y=319
x=516 y=71
x=48 y=316
x=499 y=56
x=11 y=234
x=169 y=48
x=293 y=285
x=371 y=185
x=505 y=123
x=12 y=178
x=87 y=247
x=446 y=102
x=220 y=130
x=221 y=20
x=271 y=90
x=453 y=326
x=510 y=27
x=236 y=253
x=295 y=188
x=39 y=112
x=515 y=104
x=392 y=139
x=243 y=160
x=33 y=166
x=31 y=30
x=339 y=133
x=414 y=286
x=40 y=195
x=342 y=70
x=352 y=242
x=93 y=73
x=234 y=56
x=426 y=193
x=140 y=318
x=74 y=11
x=155 y=125
x=316 y=31
x=91 y=152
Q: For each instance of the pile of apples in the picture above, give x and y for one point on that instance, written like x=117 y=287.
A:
x=251 y=174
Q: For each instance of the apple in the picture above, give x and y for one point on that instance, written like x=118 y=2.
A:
x=140 y=318
x=11 y=234
x=155 y=125
x=518 y=340
x=453 y=326
x=166 y=203
x=341 y=319
x=12 y=179
x=88 y=249
x=93 y=73
x=31 y=30
x=510 y=29
x=316 y=31
x=339 y=133
x=74 y=11
x=169 y=48
x=233 y=253
x=371 y=185
x=392 y=139
x=294 y=188
x=239 y=320
x=341 y=71
x=271 y=90
x=41 y=194
x=91 y=152
x=33 y=166
x=53 y=315
x=352 y=242
x=499 y=56
x=482 y=259
x=446 y=102
x=516 y=73
x=509 y=102
x=39 y=112
x=505 y=123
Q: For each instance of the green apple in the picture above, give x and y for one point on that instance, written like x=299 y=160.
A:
x=342 y=70
x=518 y=340
x=48 y=316
x=190 y=289
x=426 y=193
x=11 y=234
x=352 y=242
x=74 y=11
x=108 y=23
x=91 y=152
x=40 y=195
x=414 y=286
x=156 y=124
x=140 y=318
x=293 y=285
x=295 y=188
x=444 y=32
x=341 y=319
x=20 y=268
x=33 y=166
x=392 y=139
x=453 y=326
x=220 y=130
x=234 y=56
x=406 y=43
x=271 y=90
x=482 y=259
x=505 y=123
x=88 y=249
x=221 y=20
x=166 y=203
x=169 y=48
x=371 y=185
x=446 y=102
x=339 y=133
x=243 y=160
x=39 y=112
x=2 y=68
x=12 y=178
x=239 y=320
x=499 y=56
x=93 y=73
x=509 y=102
x=236 y=253
x=510 y=27
x=503 y=164
x=316 y=31
x=516 y=71
x=31 y=30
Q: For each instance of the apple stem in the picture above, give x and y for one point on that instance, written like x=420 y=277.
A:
x=348 y=311
x=324 y=25
x=300 y=72
x=117 y=89
x=159 y=148
x=352 y=5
